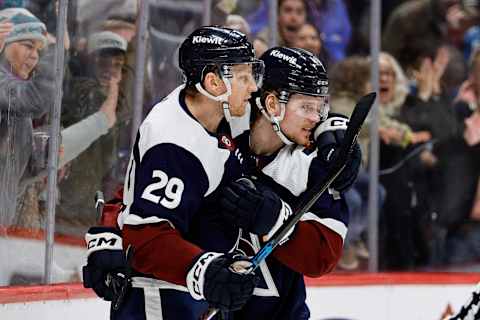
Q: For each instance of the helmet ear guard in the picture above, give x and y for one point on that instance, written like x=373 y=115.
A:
x=225 y=74
x=223 y=98
x=275 y=120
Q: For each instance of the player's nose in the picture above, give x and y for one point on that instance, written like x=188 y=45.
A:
x=314 y=117
x=252 y=86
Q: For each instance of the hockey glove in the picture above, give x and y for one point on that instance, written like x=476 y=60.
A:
x=223 y=280
x=253 y=207
x=106 y=263
x=329 y=137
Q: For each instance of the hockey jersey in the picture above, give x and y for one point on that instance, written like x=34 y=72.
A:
x=175 y=164
x=314 y=247
x=175 y=172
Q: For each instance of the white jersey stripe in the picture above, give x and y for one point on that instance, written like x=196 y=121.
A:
x=335 y=225
x=125 y=217
x=153 y=304
x=142 y=282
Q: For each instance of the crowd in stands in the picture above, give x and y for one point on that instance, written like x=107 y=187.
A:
x=429 y=120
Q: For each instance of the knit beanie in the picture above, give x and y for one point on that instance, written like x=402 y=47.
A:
x=25 y=26
x=11 y=4
x=106 y=40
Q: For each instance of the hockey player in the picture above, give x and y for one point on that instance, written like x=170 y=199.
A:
x=262 y=213
x=182 y=155
x=292 y=144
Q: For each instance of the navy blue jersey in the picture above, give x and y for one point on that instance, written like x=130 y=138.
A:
x=175 y=165
x=290 y=172
x=175 y=173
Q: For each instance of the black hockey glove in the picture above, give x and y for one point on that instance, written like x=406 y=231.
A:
x=329 y=136
x=106 y=264
x=223 y=280
x=253 y=207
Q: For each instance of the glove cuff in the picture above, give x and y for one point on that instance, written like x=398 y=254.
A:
x=333 y=123
x=196 y=275
x=103 y=238
x=283 y=216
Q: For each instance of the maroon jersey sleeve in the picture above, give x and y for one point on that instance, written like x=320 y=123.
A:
x=312 y=250
x=160 y=251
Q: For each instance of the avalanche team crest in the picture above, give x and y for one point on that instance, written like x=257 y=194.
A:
x=226 y=143
x=249 y=245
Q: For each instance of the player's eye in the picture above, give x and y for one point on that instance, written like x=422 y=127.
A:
x=245 y=78
x=308 y=108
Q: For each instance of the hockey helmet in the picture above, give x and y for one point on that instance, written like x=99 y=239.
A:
x=289 y=71
x=214 y=46
x=294 y=70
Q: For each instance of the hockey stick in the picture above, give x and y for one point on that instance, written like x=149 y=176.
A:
x=311 y=196
x=471 y=309
x=99 y=203
x=122 y=287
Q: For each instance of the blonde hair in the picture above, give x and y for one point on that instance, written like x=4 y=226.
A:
x=401 y=83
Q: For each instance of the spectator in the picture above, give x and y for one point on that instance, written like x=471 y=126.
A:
x=126 y=28
x=79 y=136
x=424 y=180
x=441 y=174
x=31 y=211
x=292 y=15
x=350 y=80
x=393 y=93
x=308 y=38
x=402 y=210
x=26 y=93
x=94 y=168
x=437 y=23
x=464 y=208
x=331 y=18
x=237 y=22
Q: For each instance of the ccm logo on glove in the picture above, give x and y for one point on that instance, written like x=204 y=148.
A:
x=101 y=241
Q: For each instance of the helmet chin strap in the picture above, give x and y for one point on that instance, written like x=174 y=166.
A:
x=223 y=98
x=274 y=120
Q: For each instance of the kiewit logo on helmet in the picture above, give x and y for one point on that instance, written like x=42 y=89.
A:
x=283 y=56
x=214 y=40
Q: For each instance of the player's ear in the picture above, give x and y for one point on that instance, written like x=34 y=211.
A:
x=271 y=105
x=214 y=84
